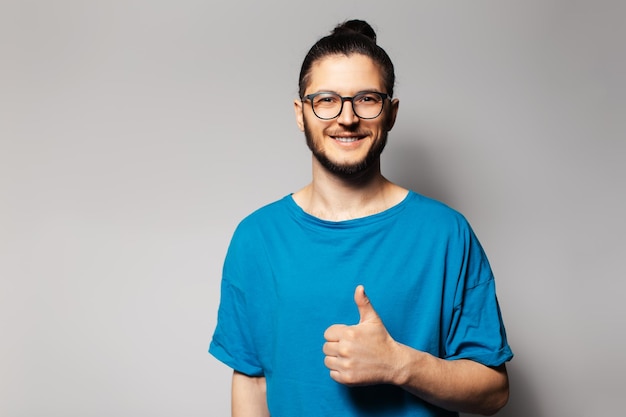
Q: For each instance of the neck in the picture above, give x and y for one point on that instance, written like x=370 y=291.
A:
x=333 y=197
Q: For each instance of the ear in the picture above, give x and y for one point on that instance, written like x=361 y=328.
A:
x=393 y=112
x=298 y=108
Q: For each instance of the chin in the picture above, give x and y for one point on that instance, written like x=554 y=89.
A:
x=345 y=169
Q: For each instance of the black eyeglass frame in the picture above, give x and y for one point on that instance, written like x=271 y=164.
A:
x=383 y=96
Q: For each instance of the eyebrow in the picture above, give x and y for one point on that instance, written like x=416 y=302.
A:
x=357 y=93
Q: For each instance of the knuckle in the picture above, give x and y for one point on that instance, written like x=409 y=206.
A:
x=345 y=350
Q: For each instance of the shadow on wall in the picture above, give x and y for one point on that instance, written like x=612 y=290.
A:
x=407 y=163
x=522 y=401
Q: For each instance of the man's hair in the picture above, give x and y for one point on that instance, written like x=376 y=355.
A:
x=349 y=37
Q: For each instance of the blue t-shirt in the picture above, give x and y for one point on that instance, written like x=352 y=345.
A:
x=288 y=276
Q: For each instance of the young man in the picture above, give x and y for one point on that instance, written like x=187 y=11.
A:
x=295 y=322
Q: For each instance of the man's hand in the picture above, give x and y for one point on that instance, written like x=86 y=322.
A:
x=365 y=354
x=361 y=354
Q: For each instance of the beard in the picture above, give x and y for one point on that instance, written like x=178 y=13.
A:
x=345 y=169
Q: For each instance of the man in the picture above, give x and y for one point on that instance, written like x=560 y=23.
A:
x=295 y=322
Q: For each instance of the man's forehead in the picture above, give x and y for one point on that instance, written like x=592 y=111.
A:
x=354 y=71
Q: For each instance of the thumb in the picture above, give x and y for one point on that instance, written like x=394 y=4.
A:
x=366 y=310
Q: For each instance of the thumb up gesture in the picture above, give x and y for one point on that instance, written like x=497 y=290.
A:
x=360 y=354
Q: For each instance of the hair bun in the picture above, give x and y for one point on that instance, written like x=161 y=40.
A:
x=355 y=25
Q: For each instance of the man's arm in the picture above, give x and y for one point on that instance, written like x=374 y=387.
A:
x=366 y=354
x=460 y=385
x=249 y=396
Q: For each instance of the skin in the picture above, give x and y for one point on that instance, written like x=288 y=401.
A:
x=248 y=396
x=365 y=353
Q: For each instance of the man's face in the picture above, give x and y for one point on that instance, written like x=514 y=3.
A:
x=347 y=144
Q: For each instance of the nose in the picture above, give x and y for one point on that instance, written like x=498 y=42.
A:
x=347 y=115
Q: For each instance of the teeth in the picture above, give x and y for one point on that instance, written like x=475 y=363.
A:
x=346 y=140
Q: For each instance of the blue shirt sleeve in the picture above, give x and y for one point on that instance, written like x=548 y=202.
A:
x=477 y=331
x=233 y=339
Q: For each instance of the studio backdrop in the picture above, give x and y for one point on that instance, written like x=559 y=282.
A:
x=136 y=134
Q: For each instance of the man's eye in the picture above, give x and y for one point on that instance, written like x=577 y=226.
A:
x=368 y=98
x=326 y=100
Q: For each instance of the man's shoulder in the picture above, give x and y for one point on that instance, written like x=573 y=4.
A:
x=267 y=213
x=423 y=203
x=432 y=214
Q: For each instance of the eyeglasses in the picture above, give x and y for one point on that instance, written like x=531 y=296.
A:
x=366 y=105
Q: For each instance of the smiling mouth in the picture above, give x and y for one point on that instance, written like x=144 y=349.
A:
x=345 y=137
x=346 y=140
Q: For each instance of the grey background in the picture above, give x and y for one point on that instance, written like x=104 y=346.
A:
x=135 y=134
